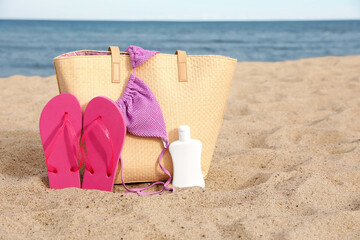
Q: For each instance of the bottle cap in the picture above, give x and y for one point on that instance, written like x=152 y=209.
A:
x=184 y=133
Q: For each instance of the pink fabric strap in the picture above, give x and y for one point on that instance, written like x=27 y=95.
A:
x=98 y=122
x=50 y=149
x=140 y=191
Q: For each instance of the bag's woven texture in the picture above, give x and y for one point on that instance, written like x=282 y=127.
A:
x=200 y=102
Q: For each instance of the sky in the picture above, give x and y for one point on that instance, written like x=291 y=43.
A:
x=183 y=10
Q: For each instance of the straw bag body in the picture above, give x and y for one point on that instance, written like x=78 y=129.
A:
x=191 y=90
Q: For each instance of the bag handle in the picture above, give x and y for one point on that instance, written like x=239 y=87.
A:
x=182 y=67
x=115 y=64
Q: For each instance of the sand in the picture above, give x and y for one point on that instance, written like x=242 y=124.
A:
x=286 y=165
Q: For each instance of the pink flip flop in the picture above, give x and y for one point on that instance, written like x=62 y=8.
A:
x=60 y=130
x=104 y=135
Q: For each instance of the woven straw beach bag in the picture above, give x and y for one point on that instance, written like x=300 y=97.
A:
x=191 y=90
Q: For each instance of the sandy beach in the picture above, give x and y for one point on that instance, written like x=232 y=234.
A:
x=286 y=165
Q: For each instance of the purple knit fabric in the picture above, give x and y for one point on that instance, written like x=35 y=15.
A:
x=142 y=111
x=138 y=55
x=143 y=114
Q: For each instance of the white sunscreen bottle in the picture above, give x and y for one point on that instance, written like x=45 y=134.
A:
x=186 y=158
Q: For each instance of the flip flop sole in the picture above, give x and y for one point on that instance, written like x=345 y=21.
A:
x=63 y=155
x=98 y=146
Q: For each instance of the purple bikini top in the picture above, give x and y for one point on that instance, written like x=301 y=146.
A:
x=142 y=113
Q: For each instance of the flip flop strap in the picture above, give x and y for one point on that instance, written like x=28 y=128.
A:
x=50 y=149
x=140 y=191
x=98 y=122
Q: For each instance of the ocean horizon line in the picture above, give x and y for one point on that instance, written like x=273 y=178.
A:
x=182 y=21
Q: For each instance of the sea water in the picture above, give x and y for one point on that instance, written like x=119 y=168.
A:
x=28 y=47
